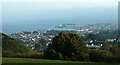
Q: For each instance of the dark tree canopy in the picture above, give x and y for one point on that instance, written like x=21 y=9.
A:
x=67 y=46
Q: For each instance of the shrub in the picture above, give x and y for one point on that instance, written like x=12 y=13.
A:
x=114 y=59
x=100 y=55
x=29 y=55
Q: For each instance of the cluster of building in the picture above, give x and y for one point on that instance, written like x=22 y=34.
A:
x=32 y=38
x=93 y=44
x=40 y=40
x=88 y=27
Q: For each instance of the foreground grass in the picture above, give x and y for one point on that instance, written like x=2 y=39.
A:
x=28 y=61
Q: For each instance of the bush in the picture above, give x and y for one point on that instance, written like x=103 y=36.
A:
x=114 y=59
x=29 y=55
x=100 y=55
x=52 y=54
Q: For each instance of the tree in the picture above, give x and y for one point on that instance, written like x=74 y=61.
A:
x=67 y=46
x=37 y=46
x=42 y=42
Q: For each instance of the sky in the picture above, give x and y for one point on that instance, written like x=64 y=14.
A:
x=105 y=3
x=61 y=11
x=60 y=0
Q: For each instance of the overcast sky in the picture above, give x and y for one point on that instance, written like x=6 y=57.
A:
x=94 y=2
x=66 y=10
x=59 y=0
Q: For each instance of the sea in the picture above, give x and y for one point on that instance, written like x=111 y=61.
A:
x=13 y=28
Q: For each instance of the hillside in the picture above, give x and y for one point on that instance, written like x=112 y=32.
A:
x=12 y=48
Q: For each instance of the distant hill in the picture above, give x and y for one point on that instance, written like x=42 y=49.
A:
x=12 y=48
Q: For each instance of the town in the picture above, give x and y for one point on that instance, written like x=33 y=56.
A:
x=39 y=40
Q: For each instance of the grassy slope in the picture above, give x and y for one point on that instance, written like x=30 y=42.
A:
x=27 y=61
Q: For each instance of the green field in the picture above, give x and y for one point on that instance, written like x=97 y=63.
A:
x=28 y=61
